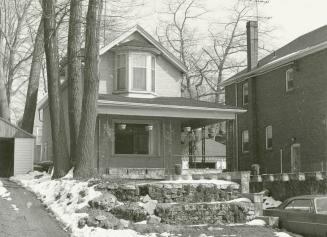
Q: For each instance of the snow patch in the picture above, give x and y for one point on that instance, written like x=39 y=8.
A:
x=282 y=234
x=269 y=202
x=256 y=222
x=14 y=207
x=4 y=192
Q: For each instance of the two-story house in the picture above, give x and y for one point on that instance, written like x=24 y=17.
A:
x=142 y=120
x=285 y=95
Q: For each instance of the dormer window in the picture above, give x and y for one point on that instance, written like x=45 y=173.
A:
x=135 y=72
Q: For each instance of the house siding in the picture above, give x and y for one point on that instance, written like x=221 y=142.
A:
x=168 y=77
x=298 y=116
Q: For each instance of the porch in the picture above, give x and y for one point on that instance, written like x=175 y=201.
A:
x=154 y=135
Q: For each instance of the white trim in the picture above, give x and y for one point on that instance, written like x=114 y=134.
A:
x=277 y=63
x=108 y=102
x=147 y=36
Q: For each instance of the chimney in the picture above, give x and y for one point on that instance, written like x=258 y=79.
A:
x=252 y=44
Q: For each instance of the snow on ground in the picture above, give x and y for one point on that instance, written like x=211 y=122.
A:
x=63 y=197
x=283 y=234
x=269 y=202
x=14 y=207
x=256 y=222
x=220 y=183
x=4 y=192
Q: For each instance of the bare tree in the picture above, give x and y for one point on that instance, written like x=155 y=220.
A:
x=178 y=35
x=74 y=74
x=227 y=53
x=59 y=143
x=34 y=79
x=14 y=51
x=86 y=141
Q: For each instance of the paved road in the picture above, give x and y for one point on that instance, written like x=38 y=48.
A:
x=30 y=220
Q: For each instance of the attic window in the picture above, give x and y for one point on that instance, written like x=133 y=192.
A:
x=135 y=72
x=289 y=82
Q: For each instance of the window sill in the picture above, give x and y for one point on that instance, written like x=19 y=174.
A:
x=290 y=90
x=245 y=152
x=269 y=149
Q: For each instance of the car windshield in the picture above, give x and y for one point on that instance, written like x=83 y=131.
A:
x=321 y=205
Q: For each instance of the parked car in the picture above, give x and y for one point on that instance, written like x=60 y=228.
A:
x=305 y=215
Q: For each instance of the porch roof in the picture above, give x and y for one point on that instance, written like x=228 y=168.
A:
x=175 y=107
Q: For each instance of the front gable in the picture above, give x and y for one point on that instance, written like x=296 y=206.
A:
x=136 y=65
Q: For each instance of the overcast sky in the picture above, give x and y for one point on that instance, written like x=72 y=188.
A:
x=290 y=18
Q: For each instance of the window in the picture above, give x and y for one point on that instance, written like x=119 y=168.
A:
x=135 y=138
x=139 y=72
x=245 y=141
x=269 y=137
x=290 y=80
x=245 y=93
x=300 y=205
x=135 y=72
x=153 y=74
x=38 y=136
x=121 y=72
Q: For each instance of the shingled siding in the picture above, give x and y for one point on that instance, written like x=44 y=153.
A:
x=299 y=114
x=107 y=158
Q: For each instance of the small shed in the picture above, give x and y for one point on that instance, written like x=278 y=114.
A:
x=16 y=150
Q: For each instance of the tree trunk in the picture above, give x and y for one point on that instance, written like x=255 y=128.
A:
x=59 y=140
x=86 y=141
x=4 y=106
x=33 y=81
x=74 y=74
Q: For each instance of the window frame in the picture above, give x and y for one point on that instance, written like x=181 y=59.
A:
x=287 y=79
x=154 y=138
x=243 y=142
x=117 y=66
x=245 y=95
x=267 y=138
x=298 y=209
x=129 y=77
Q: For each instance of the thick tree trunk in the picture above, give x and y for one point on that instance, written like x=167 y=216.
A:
x=74 y=74
x=59 y=140
x=33 y=81
x=85 y=165
x=4 y=106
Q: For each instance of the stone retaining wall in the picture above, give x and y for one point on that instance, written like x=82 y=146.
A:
x=202 y=213
x=283 y=186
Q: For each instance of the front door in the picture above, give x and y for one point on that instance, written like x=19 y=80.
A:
x=295 y=157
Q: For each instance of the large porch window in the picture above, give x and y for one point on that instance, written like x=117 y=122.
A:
x=135 y=138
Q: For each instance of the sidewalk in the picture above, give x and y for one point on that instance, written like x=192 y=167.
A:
x=30 y=219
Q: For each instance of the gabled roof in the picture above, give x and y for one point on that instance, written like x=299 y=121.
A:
x=9 y=130
x=148 y=37
x=302 y=46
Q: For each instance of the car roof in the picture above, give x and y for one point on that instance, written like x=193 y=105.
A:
x=311 y=196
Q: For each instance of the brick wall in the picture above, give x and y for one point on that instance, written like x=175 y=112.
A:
x=298 y=116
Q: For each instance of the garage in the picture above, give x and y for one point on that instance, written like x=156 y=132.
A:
x=16 y=150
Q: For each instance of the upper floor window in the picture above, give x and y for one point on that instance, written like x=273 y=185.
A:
x=269 y=137
x=245 y=93
x=121 y=72
x=245 y=141
x=289 y=82
x=135 y=72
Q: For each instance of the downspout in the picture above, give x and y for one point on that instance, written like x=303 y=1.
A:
x=236 y=127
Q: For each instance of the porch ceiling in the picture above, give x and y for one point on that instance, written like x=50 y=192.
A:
x=169 y=107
